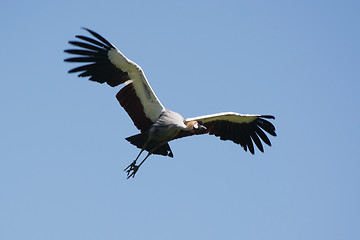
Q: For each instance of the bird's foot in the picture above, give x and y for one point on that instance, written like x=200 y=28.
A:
x=131 y=169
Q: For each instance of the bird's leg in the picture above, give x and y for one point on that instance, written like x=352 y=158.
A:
x=132 y=171
x=132 y=165
x=133 y=168
x=144 y=159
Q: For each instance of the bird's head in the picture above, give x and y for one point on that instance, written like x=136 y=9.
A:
x=196 y=126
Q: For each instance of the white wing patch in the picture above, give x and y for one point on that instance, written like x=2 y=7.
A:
x=152 y=106
x=226 y=116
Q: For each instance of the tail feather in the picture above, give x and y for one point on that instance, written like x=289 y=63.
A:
x=139 y=140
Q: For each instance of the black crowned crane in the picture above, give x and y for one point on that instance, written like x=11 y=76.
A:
x=104 y=63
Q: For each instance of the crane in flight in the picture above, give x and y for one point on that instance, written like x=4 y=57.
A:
x=104 y=63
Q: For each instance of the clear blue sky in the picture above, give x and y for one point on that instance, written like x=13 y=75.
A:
x=62 y=138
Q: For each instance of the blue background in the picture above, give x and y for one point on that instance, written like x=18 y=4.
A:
x=62 y=137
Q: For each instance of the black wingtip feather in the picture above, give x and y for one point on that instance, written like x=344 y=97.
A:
x=267 y=126
x=261 y=134
x=98 y=36
x=267 y=116
x=255 y=138
x=95 y=42
x=80 y=52
x=88 y=46
x=94 y=53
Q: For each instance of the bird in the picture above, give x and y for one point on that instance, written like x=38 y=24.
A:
x=102 y=62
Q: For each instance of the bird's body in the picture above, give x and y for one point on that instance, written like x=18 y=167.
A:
x=158 y=125
x=166 y=128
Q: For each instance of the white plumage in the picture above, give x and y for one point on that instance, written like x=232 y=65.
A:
x=152 y=106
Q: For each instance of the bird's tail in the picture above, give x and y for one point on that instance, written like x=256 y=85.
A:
x=140 y=139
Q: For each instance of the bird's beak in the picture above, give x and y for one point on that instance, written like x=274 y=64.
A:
x=199 y=127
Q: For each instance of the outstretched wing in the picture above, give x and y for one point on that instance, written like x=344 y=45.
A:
x=105 y=63
x=243 y=129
